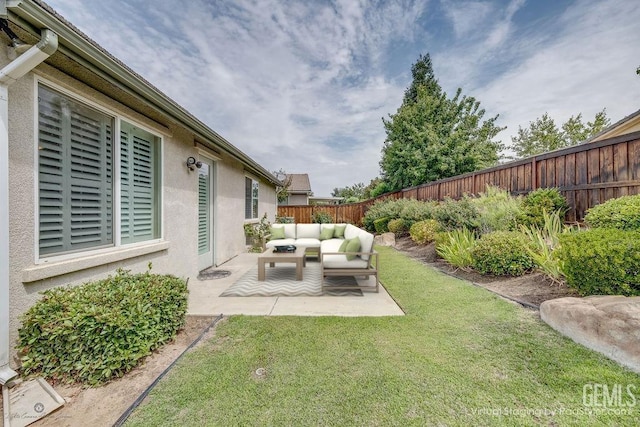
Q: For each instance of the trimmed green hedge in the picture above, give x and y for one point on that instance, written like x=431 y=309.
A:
x=502 y=253
x=622 y=213
x=601 y=261
x=98 y=331
x=381 y=225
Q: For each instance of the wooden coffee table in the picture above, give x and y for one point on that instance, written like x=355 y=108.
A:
x=271 y=257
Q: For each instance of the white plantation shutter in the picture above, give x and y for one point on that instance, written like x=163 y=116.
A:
x=254 y=202
x=250 y=198
x=139 y=183
x=75 y=179
x=248 y=211
x=204 y=211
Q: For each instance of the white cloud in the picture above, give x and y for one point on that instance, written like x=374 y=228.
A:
x=303 y=85
x=467 y=17
x=587 y=67
x=489 y=26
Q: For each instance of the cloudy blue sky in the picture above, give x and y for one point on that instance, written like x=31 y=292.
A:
x=303 y=85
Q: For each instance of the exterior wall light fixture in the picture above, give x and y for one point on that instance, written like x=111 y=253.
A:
x=193 y=163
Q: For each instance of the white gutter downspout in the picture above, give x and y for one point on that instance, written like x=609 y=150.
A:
x=10 y=73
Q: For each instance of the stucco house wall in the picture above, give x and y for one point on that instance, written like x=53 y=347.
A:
x=176 y=252
x=229 y=230
x=298 y=199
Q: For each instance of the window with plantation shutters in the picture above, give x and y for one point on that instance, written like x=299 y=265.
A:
x=250 y=198
x=139 y=211
x=204 y=211
x=76 y=178
x=75 y=175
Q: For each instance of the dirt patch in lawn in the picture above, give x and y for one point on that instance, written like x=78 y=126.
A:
x=531 y=289
x=102 y=406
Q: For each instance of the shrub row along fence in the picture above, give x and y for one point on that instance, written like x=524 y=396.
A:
x=586 y=174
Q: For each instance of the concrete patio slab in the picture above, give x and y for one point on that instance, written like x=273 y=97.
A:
x=204 y=298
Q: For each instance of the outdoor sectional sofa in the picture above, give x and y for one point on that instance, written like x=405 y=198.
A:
x=343 y=249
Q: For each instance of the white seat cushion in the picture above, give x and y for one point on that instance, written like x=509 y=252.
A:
x=351 y=231
x=331 y=245
x=366 y=243
x=340 y=261
x=307 y=231
x=307 y=243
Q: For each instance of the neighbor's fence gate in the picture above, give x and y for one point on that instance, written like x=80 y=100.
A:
x=586 y=174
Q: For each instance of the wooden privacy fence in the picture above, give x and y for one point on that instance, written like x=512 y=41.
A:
x=586 y=174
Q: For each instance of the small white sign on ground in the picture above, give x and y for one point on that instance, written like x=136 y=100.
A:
x=29 y=401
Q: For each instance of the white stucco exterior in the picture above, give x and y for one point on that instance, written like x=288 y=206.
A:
x=176 y=251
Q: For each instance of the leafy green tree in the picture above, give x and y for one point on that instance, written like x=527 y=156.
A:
x=282 y=191
x=432 y=136
x=375 y=188
x=575 y=132
x=423 y=75
x=543 y=134
x=351 y=194
x=379 y=189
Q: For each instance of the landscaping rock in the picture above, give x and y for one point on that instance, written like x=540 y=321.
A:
x=385 y=239
x=607 y=324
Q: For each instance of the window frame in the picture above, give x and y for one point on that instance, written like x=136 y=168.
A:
x=118 y=119
x=255 y=183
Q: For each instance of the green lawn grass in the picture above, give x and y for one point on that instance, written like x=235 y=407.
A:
x=460 y=356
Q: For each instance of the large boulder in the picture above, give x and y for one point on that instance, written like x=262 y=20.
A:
x=607 y=324
x=385 y=239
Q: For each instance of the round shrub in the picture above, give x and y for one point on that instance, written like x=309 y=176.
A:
x=321 y=217
x=537 y=202
x=417 y=210
x=424 y=232
x=502 y=253
x=380 y=225
x=398 y=227
x=410 y=210
x=100 y=330
x=498 y=210
x=601 y=261
x=457 y=214
x=622 y=213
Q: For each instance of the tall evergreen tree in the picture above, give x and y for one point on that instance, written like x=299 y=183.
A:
x=432 y=136
x=422 y=73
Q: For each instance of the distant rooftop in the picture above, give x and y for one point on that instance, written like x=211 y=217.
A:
x=299 y=183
